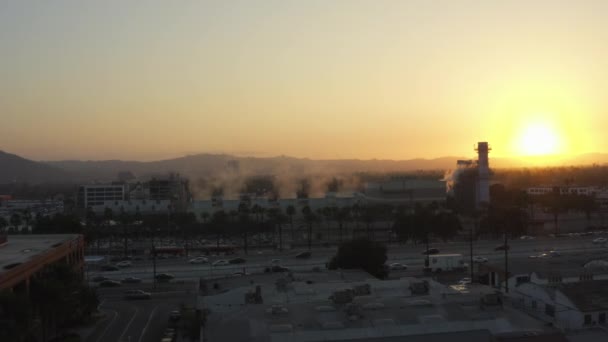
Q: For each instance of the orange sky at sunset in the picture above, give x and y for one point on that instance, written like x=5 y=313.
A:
x=340 y=79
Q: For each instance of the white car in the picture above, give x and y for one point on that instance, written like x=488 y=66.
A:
x=199 y=260
x=600 y=240
x=397 y=266
x=221 y=263
x=275 y=261
x=124 y=264
x=526 y=237
x=479 y=259
x=464 y=281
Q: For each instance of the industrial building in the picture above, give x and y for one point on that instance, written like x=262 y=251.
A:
x=469 y=183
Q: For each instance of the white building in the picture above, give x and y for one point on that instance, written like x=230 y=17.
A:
x=567 y=306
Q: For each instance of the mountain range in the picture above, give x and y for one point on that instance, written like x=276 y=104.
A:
x=14 y=168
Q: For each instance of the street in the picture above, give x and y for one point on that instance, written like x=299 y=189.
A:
x=408 y=254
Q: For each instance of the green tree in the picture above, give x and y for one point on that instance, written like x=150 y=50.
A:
x=361 y=254
x=291 y=211
x=309 y=218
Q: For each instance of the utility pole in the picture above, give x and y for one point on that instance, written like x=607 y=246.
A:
x=154 y=263
x=506 y=262
x=471 y=249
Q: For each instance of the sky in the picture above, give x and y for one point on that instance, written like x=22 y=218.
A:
x=146 y=80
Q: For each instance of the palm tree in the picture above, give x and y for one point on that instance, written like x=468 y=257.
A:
x=341 y=215
x=291 y=211
x=309 y=218
x=204 y=216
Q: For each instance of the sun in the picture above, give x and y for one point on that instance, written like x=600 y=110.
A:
x=539 y=139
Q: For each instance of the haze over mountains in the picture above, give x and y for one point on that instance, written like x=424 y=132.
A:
x=17 y=169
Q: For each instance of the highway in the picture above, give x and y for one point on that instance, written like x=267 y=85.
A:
x=408 y=254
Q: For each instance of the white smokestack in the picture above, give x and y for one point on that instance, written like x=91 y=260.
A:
x=483 y=167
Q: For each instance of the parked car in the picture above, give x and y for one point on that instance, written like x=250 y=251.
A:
x=303 y=255
x=175 y=315
x=480 y=260
x=237 y=261
x=199 y=260
x=600 y=240
x=137 y=294
x=164 y=277
x=109 y=268
x=220 y=263
x=431 y=251
x=109 y=283
x=397 y=266
x=99 y=279
x=125 y=263
x=502 y=248
x=526 y=237
x=275 y=261
x=131 y=280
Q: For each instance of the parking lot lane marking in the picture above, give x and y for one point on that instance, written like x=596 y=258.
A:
x=143 y=331
x=129 y=324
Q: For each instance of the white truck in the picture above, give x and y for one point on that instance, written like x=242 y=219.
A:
x=447 y=262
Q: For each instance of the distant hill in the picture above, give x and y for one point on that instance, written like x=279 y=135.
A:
x=202 y=165
x=16 y=169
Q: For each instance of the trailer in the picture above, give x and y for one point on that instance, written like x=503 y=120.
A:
x=446 y=262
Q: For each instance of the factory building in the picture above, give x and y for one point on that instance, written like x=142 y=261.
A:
x=469 y=183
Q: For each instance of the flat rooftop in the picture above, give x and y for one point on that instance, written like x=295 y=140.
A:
x=20 y=248
x=305 y=313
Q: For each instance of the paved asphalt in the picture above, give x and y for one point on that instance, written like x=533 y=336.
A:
x=408 y=254
x=145 y=320
x=139 y=320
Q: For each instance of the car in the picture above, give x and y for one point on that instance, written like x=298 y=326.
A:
x=99 y=279
x=109 y=268
x=164 y=277
x=130 y=280
x=502 y=248
x=237 y=261
x=276 y=269
x=480 y=260
x=137 y=294
x=125 y=263
x=600 y=240
x=431 y=251
x=554 y=253
x=109 y=283
x=526 y=237
x=533 y=256
x=275 y=261
x=199 y=260
x=464 y=281
x=220 y=263
x=175 y=315
x=397 y=266
x=303 y=255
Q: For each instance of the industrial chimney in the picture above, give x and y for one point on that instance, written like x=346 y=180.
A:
x=483 y=168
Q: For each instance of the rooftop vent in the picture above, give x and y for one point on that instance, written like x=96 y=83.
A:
x=13 y=265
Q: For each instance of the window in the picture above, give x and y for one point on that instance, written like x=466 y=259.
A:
x=550 y=310
x=533 y=304
x=601 y=318
x=583 y=277
x=522 y=279
x=587 y=319
x=555 y=279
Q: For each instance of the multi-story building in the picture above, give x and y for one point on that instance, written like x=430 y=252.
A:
x=94 y=195
x=156 y=195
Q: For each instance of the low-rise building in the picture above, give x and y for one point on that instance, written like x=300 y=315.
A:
x=567 y=306
x=24 y=256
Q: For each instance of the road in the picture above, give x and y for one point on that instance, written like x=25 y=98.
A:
x=408 y=254
x=139 y=320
